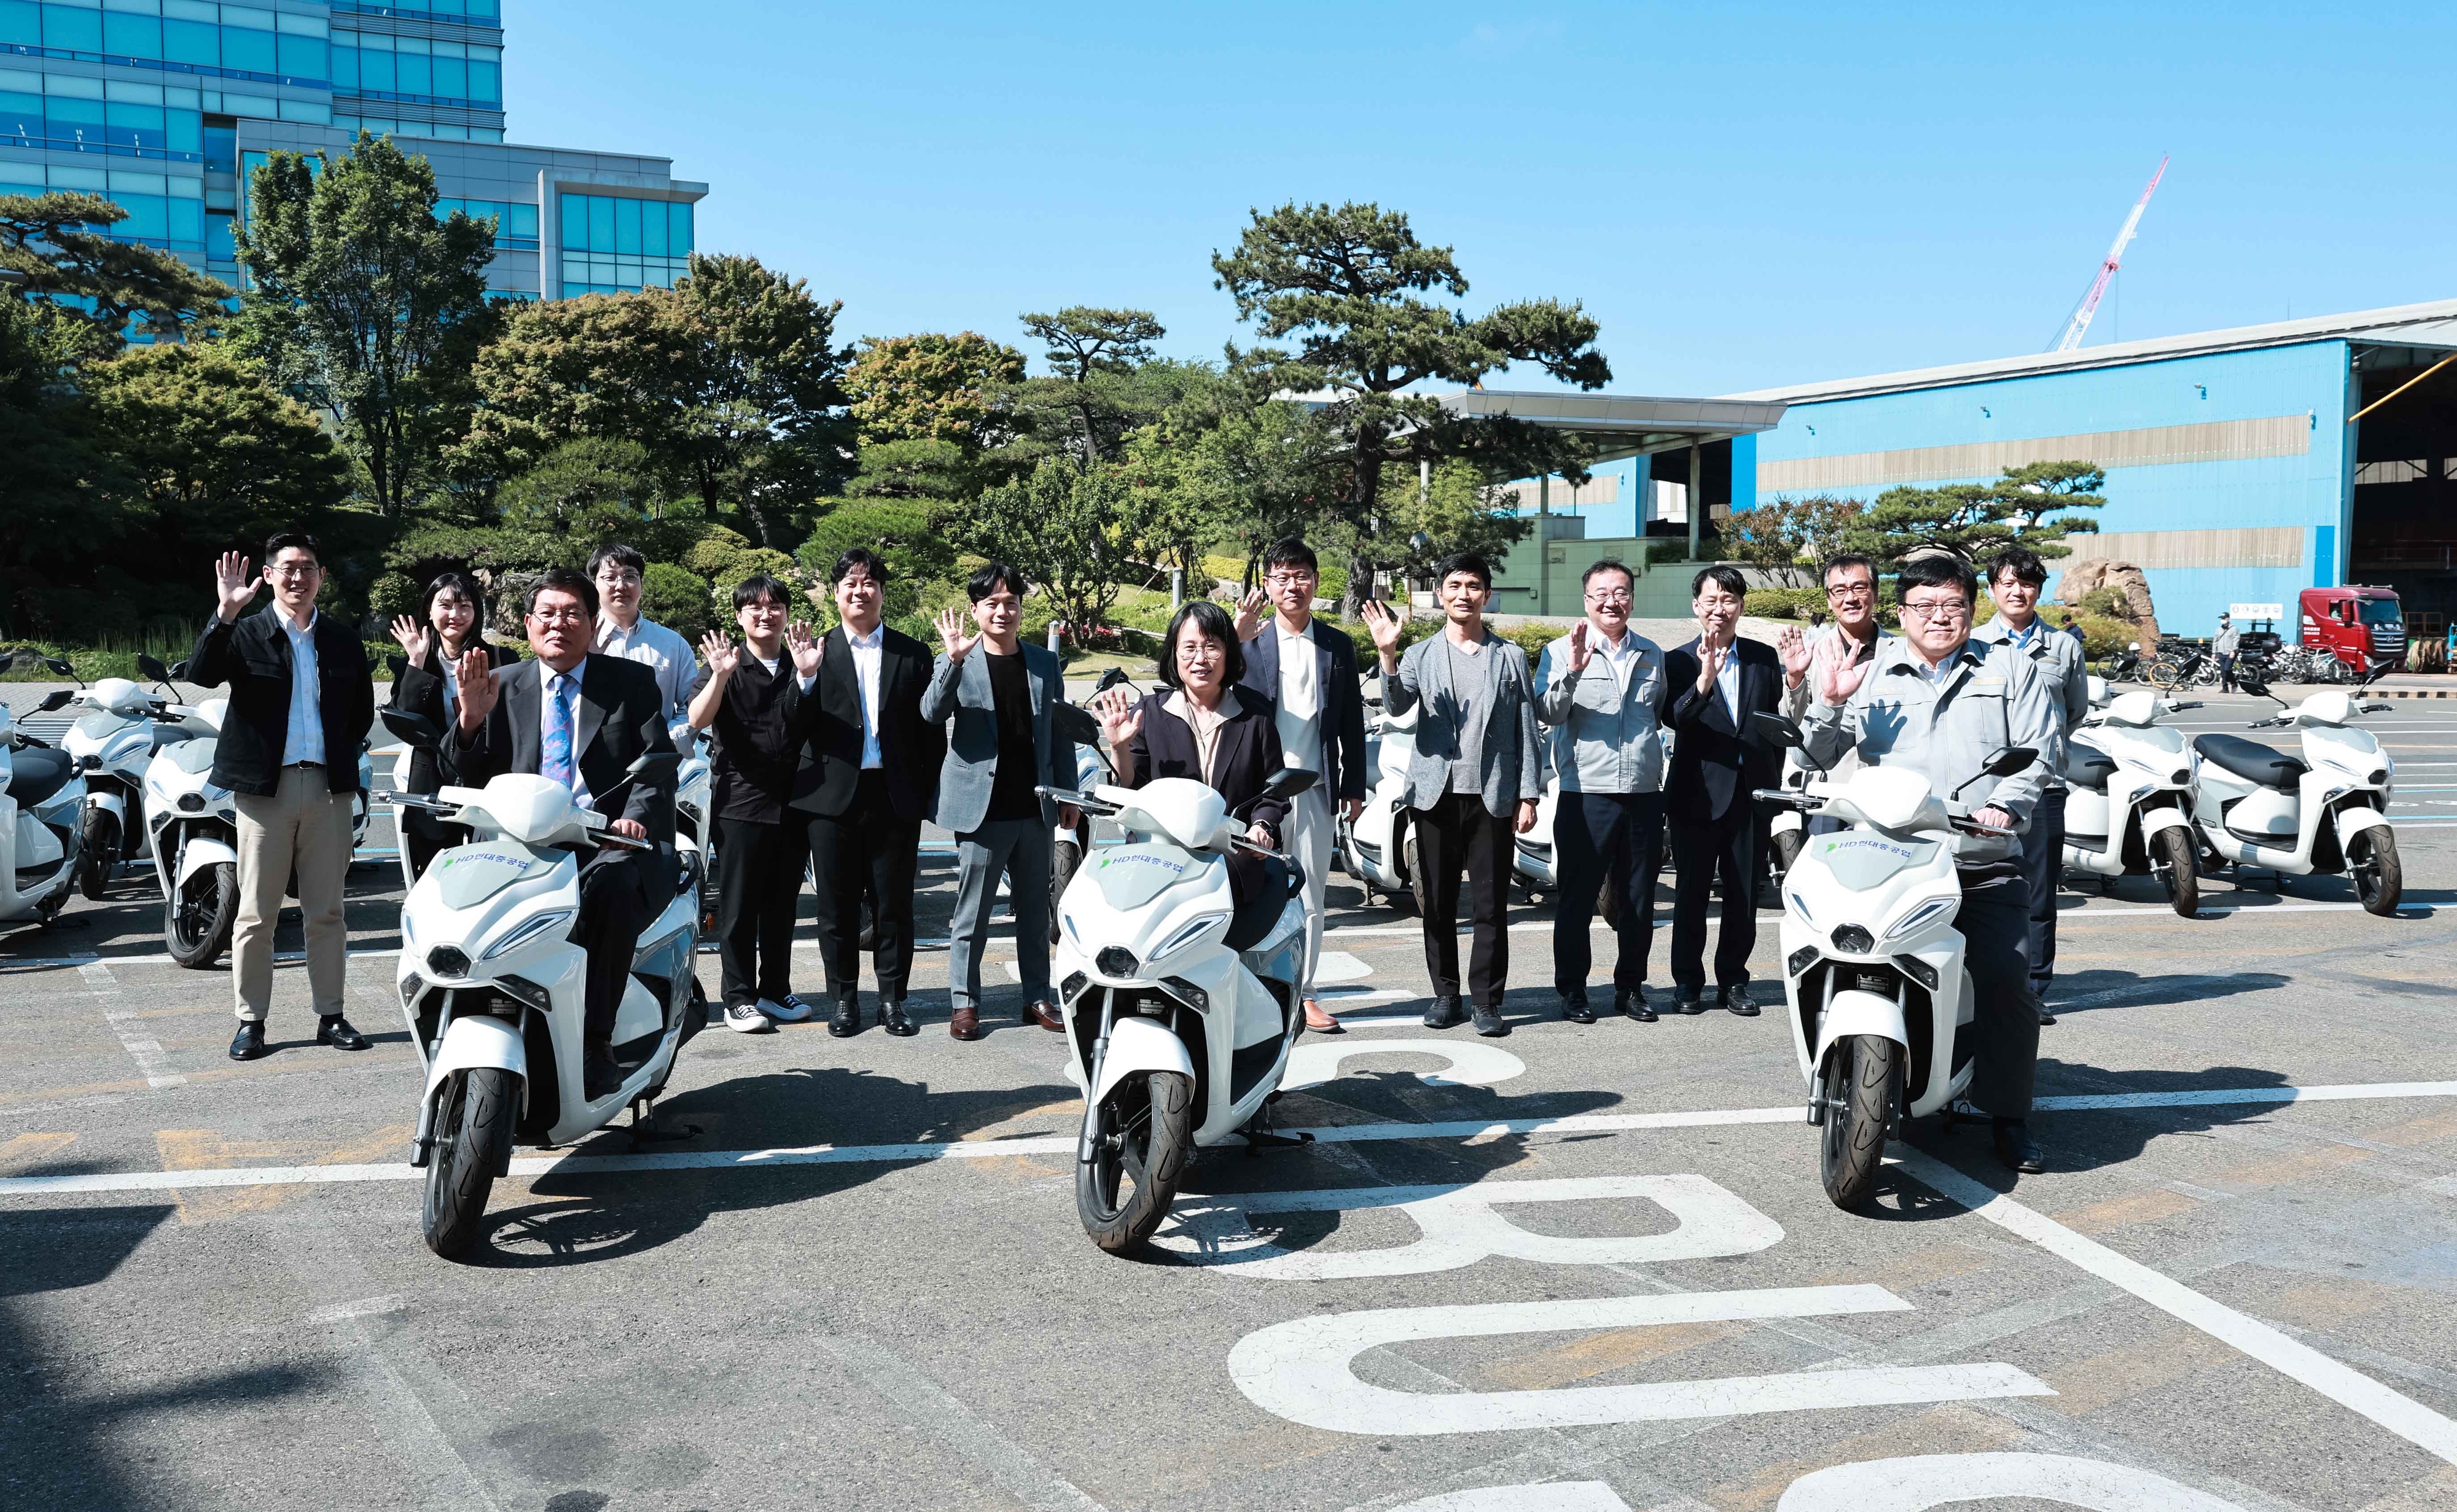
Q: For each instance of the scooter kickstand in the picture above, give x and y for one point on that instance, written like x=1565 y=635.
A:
x=1259 y=1138
x=645 y=1130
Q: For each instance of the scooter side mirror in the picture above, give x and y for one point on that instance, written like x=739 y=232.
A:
x=396 y=664
x=1078 y=725
x=57 y=698
x=1775 y=730
x=415 y=730
x=60 y=664
x=179 y=671
x=1114 y=677
x=1288 y=782
x=655 y=763
x=152 y=669
x=2010 y=760
x=8 y=660
x=2257 y=686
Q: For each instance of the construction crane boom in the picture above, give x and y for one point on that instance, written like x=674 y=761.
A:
x=2089 y=306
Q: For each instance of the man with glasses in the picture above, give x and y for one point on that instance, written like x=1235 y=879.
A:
x=301 y=703
x=1935 y=703
x=1308 y=672
x=1711 y=687
x=1851 y=581
x=618 y=571
x=1596 y=689
x=2016 y=578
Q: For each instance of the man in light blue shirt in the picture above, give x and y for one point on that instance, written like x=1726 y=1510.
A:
x=620 y=572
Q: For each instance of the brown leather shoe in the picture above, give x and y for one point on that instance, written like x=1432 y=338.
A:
x=965 y=1023
x=1044 y=1015
x=1319 y=1022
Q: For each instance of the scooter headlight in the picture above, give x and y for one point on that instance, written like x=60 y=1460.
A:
x=1189 y=933
x=1925 y=913
x=527 y=931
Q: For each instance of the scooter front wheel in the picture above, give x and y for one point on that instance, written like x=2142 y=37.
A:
x=1859 y=1077
x=473 y=1139
x=2175 y=859
x=99 y=853
x=1138 y=1153
x=198 y=917
x=2379 y=876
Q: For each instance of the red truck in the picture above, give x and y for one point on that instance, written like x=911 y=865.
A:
x=2361 y=626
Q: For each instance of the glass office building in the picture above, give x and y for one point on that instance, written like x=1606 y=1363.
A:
x=162 y=106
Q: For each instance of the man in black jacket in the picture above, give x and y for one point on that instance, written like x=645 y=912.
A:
x=869 y=776
x=582 y=720
x=1711 y=687
x=301 y=703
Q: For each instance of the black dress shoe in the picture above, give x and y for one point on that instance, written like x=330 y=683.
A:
x=846 y=1021
x=2039 y=1001
x=1488 y=1021
x=599 y=1077
x=1735 y=997
x=891 y=1018
x=248 y=1044
x=2016 y=1150
x=1688 y=1000
x=1632 y=1001
x=1444 y=1013
x=336 y=1032
x=1574 y=1009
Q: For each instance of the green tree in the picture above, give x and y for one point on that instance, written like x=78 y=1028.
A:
x=1093 y=396
x=768 y=421
x=678 y=599
x=2028 y=505
x=593 y=487
x=1063 y=526
x=931 y=387
x=1348 y=282
x=1431 y=514
x=213 y=453
x=367 y=306
x=1219 y=470
x=614 y=366
x=56 y=249
x=912 y=469
x=1788 y=537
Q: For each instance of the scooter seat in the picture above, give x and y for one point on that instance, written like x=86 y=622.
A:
x=37 y=773
x=2087 y=766
x=2252 y=761
x=1260 y=888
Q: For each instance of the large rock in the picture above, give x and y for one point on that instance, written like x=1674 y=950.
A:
x=2131 y=586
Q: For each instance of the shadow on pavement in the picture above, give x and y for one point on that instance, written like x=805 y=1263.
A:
x=2087 y=991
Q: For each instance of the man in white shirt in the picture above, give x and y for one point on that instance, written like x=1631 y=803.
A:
x=618 y=571
x=1308 y=672
x=2015 y=578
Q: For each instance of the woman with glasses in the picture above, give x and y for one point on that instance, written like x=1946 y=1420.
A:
x=1204 y=728
x=454 y=621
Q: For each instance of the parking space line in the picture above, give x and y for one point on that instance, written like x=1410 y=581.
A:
x=2400 y=1414
x=142 y=1048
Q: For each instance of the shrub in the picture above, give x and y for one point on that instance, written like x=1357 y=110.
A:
x=677 y=599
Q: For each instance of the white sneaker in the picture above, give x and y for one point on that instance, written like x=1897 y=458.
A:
x=791 y=1011
x=746 y=1018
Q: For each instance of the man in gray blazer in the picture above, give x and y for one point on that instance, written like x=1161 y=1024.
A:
x=1001 y=693
x=1474 y=774
x=2015 y=578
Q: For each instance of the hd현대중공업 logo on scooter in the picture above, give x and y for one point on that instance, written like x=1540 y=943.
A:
x=1861 y=861
x=467 y=877
x=1139 y=858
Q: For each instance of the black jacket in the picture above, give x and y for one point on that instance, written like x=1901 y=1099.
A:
x=1714 y=762
x=424 y=696
x=620 y=716
x=1248 y=752
x=827 y=727
x=753 y=758
x=1343 y=703
x=252 y=654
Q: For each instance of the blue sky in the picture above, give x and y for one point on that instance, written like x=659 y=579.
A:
x=1742 y=196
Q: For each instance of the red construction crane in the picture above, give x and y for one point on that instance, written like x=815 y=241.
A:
x=2089 y=306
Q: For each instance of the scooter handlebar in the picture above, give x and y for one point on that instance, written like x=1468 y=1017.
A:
x=1784 y=798
x=1973 y=826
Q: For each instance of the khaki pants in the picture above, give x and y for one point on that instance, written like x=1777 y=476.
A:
x=301 y=826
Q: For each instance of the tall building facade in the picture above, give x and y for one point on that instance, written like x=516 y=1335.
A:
x=163 y=107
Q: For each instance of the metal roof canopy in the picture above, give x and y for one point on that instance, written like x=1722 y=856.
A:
x=1619 y=425
x=2430 y=326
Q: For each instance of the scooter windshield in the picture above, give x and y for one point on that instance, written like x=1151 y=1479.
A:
x=1861 y=859
x=190 y=756
x=1130 y=876
x=468 y=875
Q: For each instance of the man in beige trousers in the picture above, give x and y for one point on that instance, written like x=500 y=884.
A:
x=301 y=703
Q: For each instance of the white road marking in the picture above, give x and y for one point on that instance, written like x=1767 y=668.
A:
x=365 y=1307
x=1917 y=1482
x=1301 y=1370
x=151 y=1063
x=1458 y=1225
x=570 y=1165
x=929 y=1409
x=1333 y=966
x=1467 y=1063
x=2401 y=1415
x=1557 y=1496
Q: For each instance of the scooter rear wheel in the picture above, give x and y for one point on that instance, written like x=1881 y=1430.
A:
x=198 y=917
x=473 y=1139
x=2176 y=863
x=1139 y=1156
x=2379 y=877
x=99 y=853
x=1860 y=1078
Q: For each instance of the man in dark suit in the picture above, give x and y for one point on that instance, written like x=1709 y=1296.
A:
x=1711 y=687
x=300 y=705
x=1308 y=672
x=869 y=775
x=582 y=720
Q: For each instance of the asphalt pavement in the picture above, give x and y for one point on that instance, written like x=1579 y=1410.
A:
x=1576 y=1269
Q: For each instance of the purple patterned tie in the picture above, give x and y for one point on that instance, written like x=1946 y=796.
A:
x=554 y=758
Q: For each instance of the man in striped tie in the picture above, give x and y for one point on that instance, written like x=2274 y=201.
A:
x=579 y=719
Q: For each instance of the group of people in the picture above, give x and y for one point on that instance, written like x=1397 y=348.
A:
x=829 y=750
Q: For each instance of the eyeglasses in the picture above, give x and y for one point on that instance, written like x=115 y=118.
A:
x=1291 y=580
x=295 y=569
x=619 y=579
x=1849 y=590
x=1609 y=596
x=1938 y=609
x=560 y=616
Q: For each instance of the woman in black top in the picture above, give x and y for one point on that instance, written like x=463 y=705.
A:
x=454 y=620
x=1206 y=727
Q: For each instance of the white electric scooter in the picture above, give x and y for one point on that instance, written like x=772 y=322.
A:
x=2326 y=812
x=1376 y=847
x=113 y=745
x=2129 y=800
x=495 y=990
x=1879 y=1002
x=41 y=796
x=1179 y=993
x=1069 y=846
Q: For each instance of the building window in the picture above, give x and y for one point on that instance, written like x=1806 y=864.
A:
x=174 y=36
x=516 y=223
x=619 y=245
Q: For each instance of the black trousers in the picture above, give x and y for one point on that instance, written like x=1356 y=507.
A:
x=1994 y=921
x=2043 y=866
x=428 y=837
x=866 y=849
x=758 y=885
x=613 y=909
x=1604 y=844
x=1717 y=856
x=1461 y=832
x=2227 y=673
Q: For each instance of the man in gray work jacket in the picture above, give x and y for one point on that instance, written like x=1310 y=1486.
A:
x=1935 y=703
x=1474 y=776
x=2015 y=578
x=1595 y=688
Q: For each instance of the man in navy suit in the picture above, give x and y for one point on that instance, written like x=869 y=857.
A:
x=1711 y=687
x=1308 y=672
